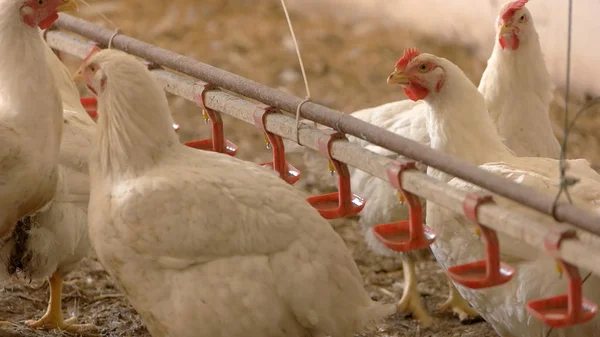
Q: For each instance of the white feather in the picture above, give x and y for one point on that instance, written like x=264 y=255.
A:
x=204 y=244
x=450 y=130
x=518 y=90
x=58 y=239
x=30 y=121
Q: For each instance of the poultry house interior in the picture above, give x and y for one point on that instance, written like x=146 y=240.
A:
x=347 y=62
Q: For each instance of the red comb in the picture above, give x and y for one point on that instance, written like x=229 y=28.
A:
x=512 y=8
x=93 y=51
x=409 y=55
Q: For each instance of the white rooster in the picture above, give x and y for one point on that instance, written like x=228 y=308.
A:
x=204 y=244
x=30 y=113
x=57 y=238
x=469 y=133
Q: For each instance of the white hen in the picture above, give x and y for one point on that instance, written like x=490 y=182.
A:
x=516 y=84
x=517 y=71
x=469 y=133
x=204 y=244
x=384 y=206
x=30 y=113
x=57 y=238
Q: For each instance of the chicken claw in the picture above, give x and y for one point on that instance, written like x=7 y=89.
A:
x=459 y=305
x=411 y=299
x=53 y=318
x=52 y=322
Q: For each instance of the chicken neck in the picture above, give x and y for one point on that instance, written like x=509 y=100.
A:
x=518 y=89
x=135 y=125
x=458 y=124
x=29 y=99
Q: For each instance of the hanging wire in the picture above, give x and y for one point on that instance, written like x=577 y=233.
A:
x=307 y=99
x=101 y=14
x=566 y=181
x=117 y=29
x=588 y=105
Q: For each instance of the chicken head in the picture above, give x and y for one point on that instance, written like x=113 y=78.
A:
x=93 y=75
x=514 y=24
x=419 y=74
x=43 y=13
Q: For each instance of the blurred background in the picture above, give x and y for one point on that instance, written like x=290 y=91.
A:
x=349 y=47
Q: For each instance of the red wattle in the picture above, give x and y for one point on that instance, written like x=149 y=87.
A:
x=415 y=91
x=47 y=22
x=513 y=42
x=29 y=20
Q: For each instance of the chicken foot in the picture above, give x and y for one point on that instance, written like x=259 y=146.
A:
x=411 y=298
x=459 y=305
x=53 y=318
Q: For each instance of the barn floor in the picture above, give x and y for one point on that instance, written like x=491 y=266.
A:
x=347 y=64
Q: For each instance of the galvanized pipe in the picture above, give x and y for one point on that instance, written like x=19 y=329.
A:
x=529 y=225
x=334 y=119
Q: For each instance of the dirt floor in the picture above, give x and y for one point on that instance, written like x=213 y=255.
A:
x=347 y=64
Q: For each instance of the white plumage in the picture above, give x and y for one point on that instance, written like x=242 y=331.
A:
x=58 y=237
x=517 y=90
x=30 y=121
x=522 y=121
x=204 y=244
x=451 y=126
x=407 y=119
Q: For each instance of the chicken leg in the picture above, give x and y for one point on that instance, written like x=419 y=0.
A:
x=411 y=299
x=53 y=318
x=458 y=305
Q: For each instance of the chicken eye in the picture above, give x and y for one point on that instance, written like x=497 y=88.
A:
x=522 y=18
x=41 y=2
x=423 y=67
x=93 y=69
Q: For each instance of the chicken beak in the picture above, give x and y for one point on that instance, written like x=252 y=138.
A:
x=505 y=29
x=78 y=76
x=397 y=77
x=68 y=5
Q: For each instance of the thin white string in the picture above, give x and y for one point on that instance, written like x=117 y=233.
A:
x=117 y=29
x=110 y=41
x=99 y=13
x=307 y=99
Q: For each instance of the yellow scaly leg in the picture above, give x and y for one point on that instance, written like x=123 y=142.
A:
x=458 y=305
x=411 y=299
x=53 y=318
